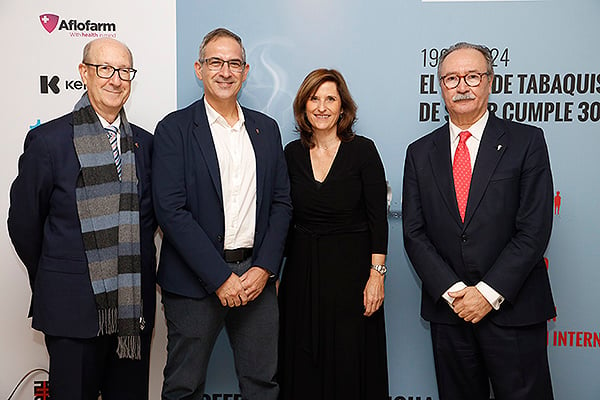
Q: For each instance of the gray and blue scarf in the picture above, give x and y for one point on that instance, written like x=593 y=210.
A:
x=108 y=209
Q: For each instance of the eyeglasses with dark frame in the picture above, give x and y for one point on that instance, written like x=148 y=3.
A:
x=472 y=79
x=215 y=64
x=107 y=71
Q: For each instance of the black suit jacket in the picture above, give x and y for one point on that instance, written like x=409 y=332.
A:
x=44 y=227
x=189 y=201
x=507 y=223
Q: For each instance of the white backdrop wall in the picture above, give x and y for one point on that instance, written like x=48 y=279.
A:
x=29 y=51
x=547 y=75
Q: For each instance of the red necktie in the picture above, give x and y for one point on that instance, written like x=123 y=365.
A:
x=461 y=170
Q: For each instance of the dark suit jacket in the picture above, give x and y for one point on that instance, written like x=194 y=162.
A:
x=507 y=222
x=189 y=202
x=44 y=227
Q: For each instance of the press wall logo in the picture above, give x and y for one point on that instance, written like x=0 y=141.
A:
x=77 y=28
x=49 y=21
x=53 y=84
x=35 y=124
x=41 y=390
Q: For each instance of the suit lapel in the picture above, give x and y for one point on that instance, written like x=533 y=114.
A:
x=442 y=170
x=204 y=138
x=260 y=153
x=140 y=161
x=492 y=147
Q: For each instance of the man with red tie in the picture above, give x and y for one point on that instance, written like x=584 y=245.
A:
x=477 y=215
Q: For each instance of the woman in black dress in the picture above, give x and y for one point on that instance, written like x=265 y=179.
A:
x=331 y=295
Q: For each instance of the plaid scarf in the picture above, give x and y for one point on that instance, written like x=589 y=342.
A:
x=108 y=211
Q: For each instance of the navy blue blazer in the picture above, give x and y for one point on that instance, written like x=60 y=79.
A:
x=44 y=227
x=189 y=203
x=507 y=222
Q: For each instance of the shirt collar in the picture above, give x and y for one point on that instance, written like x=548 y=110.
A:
x=476 y=129
x=116 y=123
x=214 y=117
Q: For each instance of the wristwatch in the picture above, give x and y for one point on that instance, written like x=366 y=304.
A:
x=379 y=268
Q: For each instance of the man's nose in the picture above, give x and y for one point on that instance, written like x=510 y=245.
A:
x=115 y=79
x=225 y=69
x=462 y=85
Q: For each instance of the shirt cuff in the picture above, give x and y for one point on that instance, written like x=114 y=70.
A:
x=493 y=297
x=454 y=288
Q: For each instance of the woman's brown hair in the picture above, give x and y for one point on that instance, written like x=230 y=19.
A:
x=307 y=89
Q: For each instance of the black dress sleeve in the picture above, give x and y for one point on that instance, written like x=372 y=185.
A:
x=375 y=196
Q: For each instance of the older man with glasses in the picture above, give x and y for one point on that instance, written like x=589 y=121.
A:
x=477 y=215
x=81 y=220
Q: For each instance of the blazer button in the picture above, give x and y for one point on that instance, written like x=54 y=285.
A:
x=463 y=238
x=220 y=238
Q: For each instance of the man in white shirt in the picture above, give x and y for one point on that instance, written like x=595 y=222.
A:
x=222 y=201
x=477 y=216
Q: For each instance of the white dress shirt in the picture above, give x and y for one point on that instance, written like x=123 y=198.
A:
x=237 y=168
x=476 y=130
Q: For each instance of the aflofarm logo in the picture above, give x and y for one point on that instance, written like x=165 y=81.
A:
x=78 y=28
x=49 y=21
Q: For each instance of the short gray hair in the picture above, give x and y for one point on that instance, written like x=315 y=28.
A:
x=217 y=33
x=464 y=45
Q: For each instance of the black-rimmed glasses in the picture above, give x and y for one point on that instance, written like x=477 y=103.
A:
x=215 y=64
x=107 y=71
x=472 y=79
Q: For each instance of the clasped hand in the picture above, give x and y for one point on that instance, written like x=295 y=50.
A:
x=470 y=305
x=239 y=290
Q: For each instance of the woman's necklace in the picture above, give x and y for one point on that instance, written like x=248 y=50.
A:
x=331 y=145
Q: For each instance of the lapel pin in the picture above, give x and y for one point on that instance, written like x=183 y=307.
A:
x=499 y=147
x=257 y=131
x=137 y=146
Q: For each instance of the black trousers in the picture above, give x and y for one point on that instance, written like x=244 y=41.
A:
x=470 y=356
x=80 y=369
